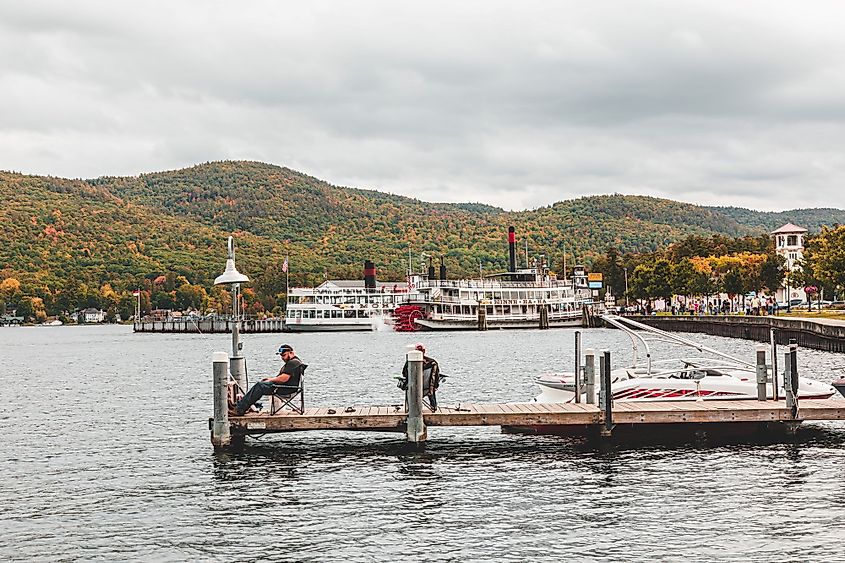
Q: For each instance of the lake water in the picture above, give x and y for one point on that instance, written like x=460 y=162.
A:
x=106 y=455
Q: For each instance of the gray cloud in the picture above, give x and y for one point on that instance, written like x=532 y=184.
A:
x=517 y=105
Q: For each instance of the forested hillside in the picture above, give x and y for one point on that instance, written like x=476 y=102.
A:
x=60 y=233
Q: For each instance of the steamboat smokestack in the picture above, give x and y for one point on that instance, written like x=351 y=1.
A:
x=369 y=276
x=430 y=269
x=442 y=269
x=511 y=250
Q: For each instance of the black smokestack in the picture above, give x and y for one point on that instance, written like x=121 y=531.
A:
x=369 y=276
x=430 y=269
x=511 y=250
x=442 y=269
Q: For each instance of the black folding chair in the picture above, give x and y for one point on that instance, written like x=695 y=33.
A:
x=285 y=394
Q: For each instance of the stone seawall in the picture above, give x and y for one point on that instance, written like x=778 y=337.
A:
x=819 y=334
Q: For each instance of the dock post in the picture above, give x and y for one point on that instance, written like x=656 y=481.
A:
x=774 y=343
x=793 y=374
x=415 y=425
x=605 y=394
x=577 y=366
x=590 y=375
x=762 y=375
x=220 y=436
x=788 y=390
x=482 y=316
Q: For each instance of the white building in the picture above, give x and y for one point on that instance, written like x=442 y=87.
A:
x=92 y=315
x=789 y=243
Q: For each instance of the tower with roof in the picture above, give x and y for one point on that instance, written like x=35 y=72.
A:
x=789 y=243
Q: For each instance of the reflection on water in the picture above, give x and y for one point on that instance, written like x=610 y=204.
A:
x=112 y=460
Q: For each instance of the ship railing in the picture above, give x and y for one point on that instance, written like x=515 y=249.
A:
x=484 y=284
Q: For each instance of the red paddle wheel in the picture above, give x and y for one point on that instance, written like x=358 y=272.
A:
x=405 y=317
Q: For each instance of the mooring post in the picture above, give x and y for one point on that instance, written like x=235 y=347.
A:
x=762 y=374
x=415 y=425
x=590 y=375
x=774 y=343
x=577 y=366
x=793 y=373
x=605 y=394
x=482 y=316
x=787 y=380
x=220 y=436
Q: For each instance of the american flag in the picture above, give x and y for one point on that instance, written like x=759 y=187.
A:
x=285 y=265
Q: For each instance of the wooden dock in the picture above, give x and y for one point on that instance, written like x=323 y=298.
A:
x=548 y=416
x=636 y=418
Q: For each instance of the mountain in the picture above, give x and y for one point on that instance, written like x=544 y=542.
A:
x=114 y=228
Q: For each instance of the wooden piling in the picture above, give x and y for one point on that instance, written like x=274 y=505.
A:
x=220 y=435
x=788 y=390
x=415 y=425
x=544 y=316
x=590 y=375
x=577 y=366
x=774 y=344
x=482 y=316
x=762 y=375
x=606 y=394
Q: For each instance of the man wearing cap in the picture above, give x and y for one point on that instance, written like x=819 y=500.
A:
x=289 y=375
x=431 y=376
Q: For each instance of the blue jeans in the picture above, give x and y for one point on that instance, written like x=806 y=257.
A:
x=253 y=396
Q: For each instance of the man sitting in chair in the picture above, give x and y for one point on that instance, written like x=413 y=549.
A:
x=431 y=377
x=289 y=376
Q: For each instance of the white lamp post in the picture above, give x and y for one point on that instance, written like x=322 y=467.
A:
x=232 y=277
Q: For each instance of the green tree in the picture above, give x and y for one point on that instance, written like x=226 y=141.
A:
x=825 y=255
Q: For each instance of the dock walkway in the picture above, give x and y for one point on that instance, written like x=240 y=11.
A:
x=586 y=416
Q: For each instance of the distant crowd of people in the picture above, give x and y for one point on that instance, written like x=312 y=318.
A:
x=756 y=306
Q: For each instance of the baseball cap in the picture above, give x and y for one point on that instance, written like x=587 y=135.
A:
x=284 y=348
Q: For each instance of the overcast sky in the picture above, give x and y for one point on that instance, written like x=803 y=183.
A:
x=516 y=104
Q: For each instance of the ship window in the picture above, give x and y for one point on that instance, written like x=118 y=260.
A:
x=350 y=314
x=465 y=309
x=497 y=295
x=294 y=299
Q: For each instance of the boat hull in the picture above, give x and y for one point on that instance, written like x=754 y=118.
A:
x=292 y=327
x=494 y=324
x=561 y=390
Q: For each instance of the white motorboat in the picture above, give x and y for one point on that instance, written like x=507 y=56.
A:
x=694 y=378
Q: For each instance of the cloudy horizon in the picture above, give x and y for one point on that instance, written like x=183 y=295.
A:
x=514 y=106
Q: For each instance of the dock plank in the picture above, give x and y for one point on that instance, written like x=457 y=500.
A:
x=387 y=418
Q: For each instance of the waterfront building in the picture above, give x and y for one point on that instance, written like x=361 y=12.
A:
x=789 y=243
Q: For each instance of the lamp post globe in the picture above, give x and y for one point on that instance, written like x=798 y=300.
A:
x=233 y=278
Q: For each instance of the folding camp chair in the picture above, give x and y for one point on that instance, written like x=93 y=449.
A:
x=429 y=398
x=285 y=394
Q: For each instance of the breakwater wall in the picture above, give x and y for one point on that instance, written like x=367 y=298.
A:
x=819 y=335
x=206 y=326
